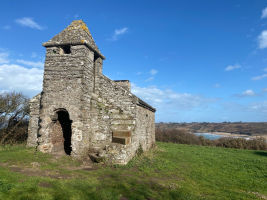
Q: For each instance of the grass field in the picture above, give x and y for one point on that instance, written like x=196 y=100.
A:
x=170 y=171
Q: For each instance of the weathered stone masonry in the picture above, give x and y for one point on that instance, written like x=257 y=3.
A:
x=80 y=111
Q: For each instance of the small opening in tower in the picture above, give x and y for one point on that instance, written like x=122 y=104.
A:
x=66 y=49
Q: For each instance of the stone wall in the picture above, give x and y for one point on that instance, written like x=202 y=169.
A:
x=68 y=85
x=124 y=84
x=34 y=120
x=112 y=108
x=115 y=109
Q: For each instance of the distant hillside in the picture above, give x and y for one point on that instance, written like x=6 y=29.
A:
x=252 y=129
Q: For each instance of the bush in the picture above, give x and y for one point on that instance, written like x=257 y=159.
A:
x=184 y=137
x=14 y=113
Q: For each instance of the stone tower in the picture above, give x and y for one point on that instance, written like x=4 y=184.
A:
x=71 y=61
x=80 y=111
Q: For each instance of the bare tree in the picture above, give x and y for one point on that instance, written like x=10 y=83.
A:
x=14 y=108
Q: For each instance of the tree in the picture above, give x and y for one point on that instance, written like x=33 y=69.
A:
x=14 y=109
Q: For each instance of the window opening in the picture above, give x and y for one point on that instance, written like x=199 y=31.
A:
x=66 y=49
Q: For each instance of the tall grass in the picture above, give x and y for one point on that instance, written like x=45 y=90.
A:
x=184 y=137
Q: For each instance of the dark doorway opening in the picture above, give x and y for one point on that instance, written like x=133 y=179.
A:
x=65 y=122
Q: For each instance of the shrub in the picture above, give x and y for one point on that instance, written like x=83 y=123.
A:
x=184 y=137
x=14 y=112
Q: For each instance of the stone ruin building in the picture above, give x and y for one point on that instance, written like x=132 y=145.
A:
x=80 y=111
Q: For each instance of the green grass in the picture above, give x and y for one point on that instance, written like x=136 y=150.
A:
x=171 y=171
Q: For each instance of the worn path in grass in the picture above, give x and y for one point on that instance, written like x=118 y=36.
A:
x=170 y=171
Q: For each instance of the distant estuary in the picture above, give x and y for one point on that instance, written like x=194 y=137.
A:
x=217 y=136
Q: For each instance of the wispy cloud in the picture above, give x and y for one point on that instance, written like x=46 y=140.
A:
x=150 y=79
x=247 y=93
x=260 y=107
x=217 y=85
x=264 y=13
x=264 y=90
x=29 y=22
x=138 y=73
x=256 y=78
x=75 y=16
x=153 y=72
x=6 y=27
x=118 y=33
x=253 y=53
x=232 y=67
x=120 y=73
x=4 y=57
x=168 y=99
x=34 y=55
x=265 y=69
x=31 y=63
x=262 y=40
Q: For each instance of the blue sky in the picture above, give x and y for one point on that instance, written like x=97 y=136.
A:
x=192 y=60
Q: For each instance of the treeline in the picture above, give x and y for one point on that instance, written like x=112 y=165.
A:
x=183 y=137
x=14 y=117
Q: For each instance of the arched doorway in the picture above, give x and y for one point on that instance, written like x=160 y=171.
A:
x=65 y=123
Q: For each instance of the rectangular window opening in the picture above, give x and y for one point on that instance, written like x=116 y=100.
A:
x=66 y=49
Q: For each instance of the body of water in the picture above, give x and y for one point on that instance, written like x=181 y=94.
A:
x=215 y=136
x=210 y=136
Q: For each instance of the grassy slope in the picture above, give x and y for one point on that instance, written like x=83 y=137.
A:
x=172 y=171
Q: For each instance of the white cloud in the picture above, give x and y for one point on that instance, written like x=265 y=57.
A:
x=247 y=93
x=265 y=69
x=256 y=78
x=6 y=27
x=262 y=39
x=153 y=72
x=232 y=67
x=169 y=99
x=264 y=13
x=31 y=63
x=150 y=79
x=3 y=57
x=34 y=55
x=260 y=107
x=217 y=85
x=18 y=78
x=118 y=33
x=138 y=73
x=264 y=90
x=29 y=22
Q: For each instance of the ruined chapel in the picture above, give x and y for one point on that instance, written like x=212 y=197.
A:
x=80 y=111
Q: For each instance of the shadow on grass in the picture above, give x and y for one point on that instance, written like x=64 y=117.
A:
x=261 y=153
